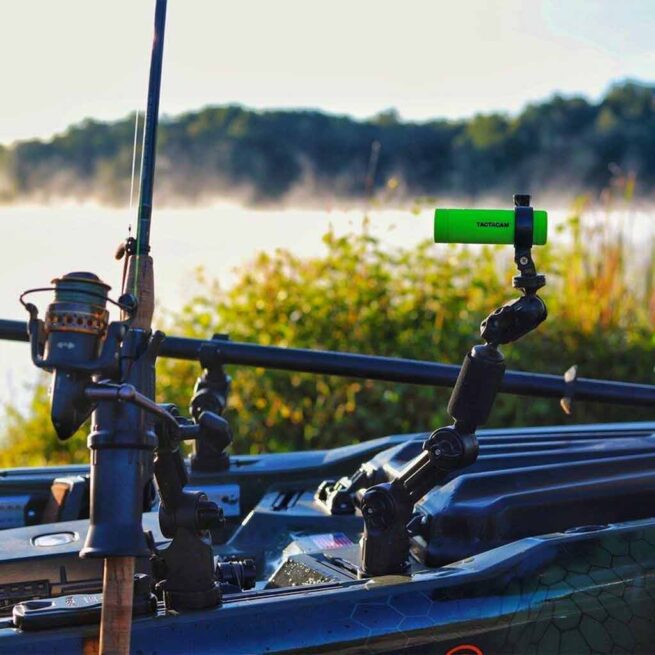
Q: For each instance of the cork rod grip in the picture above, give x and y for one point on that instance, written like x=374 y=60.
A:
x=145 y=289
x=118 y=591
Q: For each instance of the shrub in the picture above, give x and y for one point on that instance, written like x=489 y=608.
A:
x=424 y=303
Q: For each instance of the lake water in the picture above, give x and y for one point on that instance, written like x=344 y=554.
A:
x=43 y=242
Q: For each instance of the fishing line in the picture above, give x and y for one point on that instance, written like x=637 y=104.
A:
x=136 y=135
x=143 y=149
x=134 y=146
x=138 y=232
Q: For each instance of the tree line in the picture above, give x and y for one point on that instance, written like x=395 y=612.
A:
x=564 y=145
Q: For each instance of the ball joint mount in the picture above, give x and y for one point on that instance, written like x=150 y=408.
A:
x=387 y=508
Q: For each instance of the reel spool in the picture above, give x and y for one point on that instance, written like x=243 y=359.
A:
x=76 y=320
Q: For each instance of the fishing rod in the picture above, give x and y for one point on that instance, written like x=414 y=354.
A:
x=108 y=370
x=118 y=587
x=385 y=369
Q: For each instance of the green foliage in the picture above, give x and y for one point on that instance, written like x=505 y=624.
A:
x=30 y=439
x=567 y=144
x=357 y=298
x=423 y=303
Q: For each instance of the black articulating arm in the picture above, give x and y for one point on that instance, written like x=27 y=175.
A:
x=387 y=508
x=210 y=394
x=185 y=569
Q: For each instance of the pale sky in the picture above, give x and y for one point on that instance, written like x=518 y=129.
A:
x=63 y=60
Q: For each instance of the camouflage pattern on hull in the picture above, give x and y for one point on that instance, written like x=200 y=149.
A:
x=587 y=591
